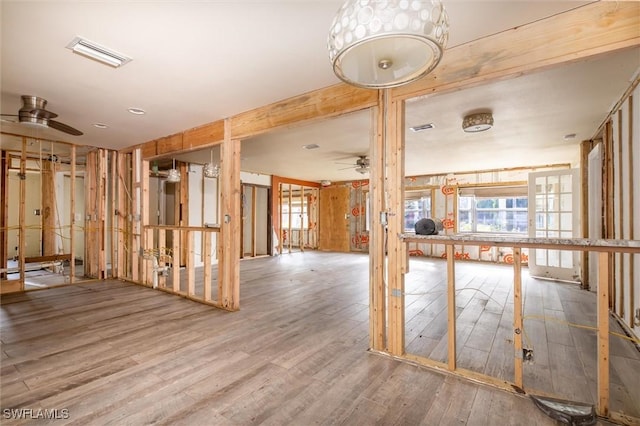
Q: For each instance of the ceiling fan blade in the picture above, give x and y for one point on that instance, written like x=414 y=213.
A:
x=40 y=113
x=9 y=119
x=64 y=128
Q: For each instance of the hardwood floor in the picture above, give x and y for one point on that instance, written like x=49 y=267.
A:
x=296 y=353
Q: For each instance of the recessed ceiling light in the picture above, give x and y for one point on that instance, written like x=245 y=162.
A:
x=96 y=52
x=100 y=125
x=422 y=127
x=311 y=146
x=569 y=136
x=137 y=111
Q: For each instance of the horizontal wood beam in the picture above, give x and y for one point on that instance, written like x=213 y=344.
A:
x=581 y=244
x=583 y=32
x=322 y=103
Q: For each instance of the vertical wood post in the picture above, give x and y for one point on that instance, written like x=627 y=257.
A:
x=175 y=260
x=395 y=188
x=72 y=219
x=191 y=267
x=207 y=265
x=4 y=214
x=229 y=266
x=135 y=213
x=517 y=316
x=603 y=334
x=22 y=211
x=147 y=235
x=377 y=235
x=632 y=182
x=162 y=252
x=112 y=215
x=451 y=307
x=585 y=149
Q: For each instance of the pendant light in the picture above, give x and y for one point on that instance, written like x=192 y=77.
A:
x=387 y=43
x=173 y=176
x=211 y=170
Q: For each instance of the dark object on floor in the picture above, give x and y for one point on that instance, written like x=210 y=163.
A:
x=426 y=226
x=567 y=412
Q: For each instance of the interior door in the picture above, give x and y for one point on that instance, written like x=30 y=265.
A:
x=334 y=219
x=554 y=205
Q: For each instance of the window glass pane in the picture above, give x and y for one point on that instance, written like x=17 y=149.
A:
x=566 y=222
x=553 y=221
x=552 y=203
x=565 y=202
x=414 y=210
x=541 y=203
x=566 y=259
x=552 y=184
x=499 y=214
x=565 y=183
x=541 y=257
x=554 y=258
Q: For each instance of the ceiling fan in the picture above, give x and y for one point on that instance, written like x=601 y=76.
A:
x=361 y=165
x=33 y=112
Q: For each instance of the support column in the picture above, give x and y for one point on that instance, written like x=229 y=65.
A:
x=377 y=234
x=229 y=266
x=395 y=247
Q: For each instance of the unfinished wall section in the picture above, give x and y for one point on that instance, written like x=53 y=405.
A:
x=623 y=208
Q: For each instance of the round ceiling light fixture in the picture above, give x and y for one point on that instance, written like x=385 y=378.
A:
x=478 y=122
x=381 y=44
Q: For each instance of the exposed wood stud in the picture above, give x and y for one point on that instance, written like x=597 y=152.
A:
x=603 y=335
x=207 y=265
x=191 y=269
x=451 y=307
x=394 y=141
x=632 y=216
x=377 y=234
x=72 y=218
x=585 y=148
x=175 y=259
x=518 y=325
x=620 y=219
x=22 y=213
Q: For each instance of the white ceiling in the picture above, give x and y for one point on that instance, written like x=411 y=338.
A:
x=198 y=62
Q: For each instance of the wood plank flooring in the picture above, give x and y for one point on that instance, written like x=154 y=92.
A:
x=295 y=354
x=564 y=359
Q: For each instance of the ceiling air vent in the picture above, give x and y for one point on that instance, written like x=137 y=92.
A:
x=422 y=127
x=98 y=53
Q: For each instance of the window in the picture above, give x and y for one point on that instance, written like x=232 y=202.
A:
x=498 y=214
x=299 y=219
x=416 y=208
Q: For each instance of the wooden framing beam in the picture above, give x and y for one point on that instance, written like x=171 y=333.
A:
x=377 y=233
x=4 y=214
x=394 y=146
x=620 y=219
x=22 y=212
x=586 y=31
x=206 y=237
x=631 y=216
x=229 y=263
x=451 y=308
x=585 y=148
x=323 y=103
x=48 y=206
x=518 y=326
x=603 y=335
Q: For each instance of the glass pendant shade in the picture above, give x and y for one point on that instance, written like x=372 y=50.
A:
x=387 y=43
x=211 y=170
x=173 y=175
